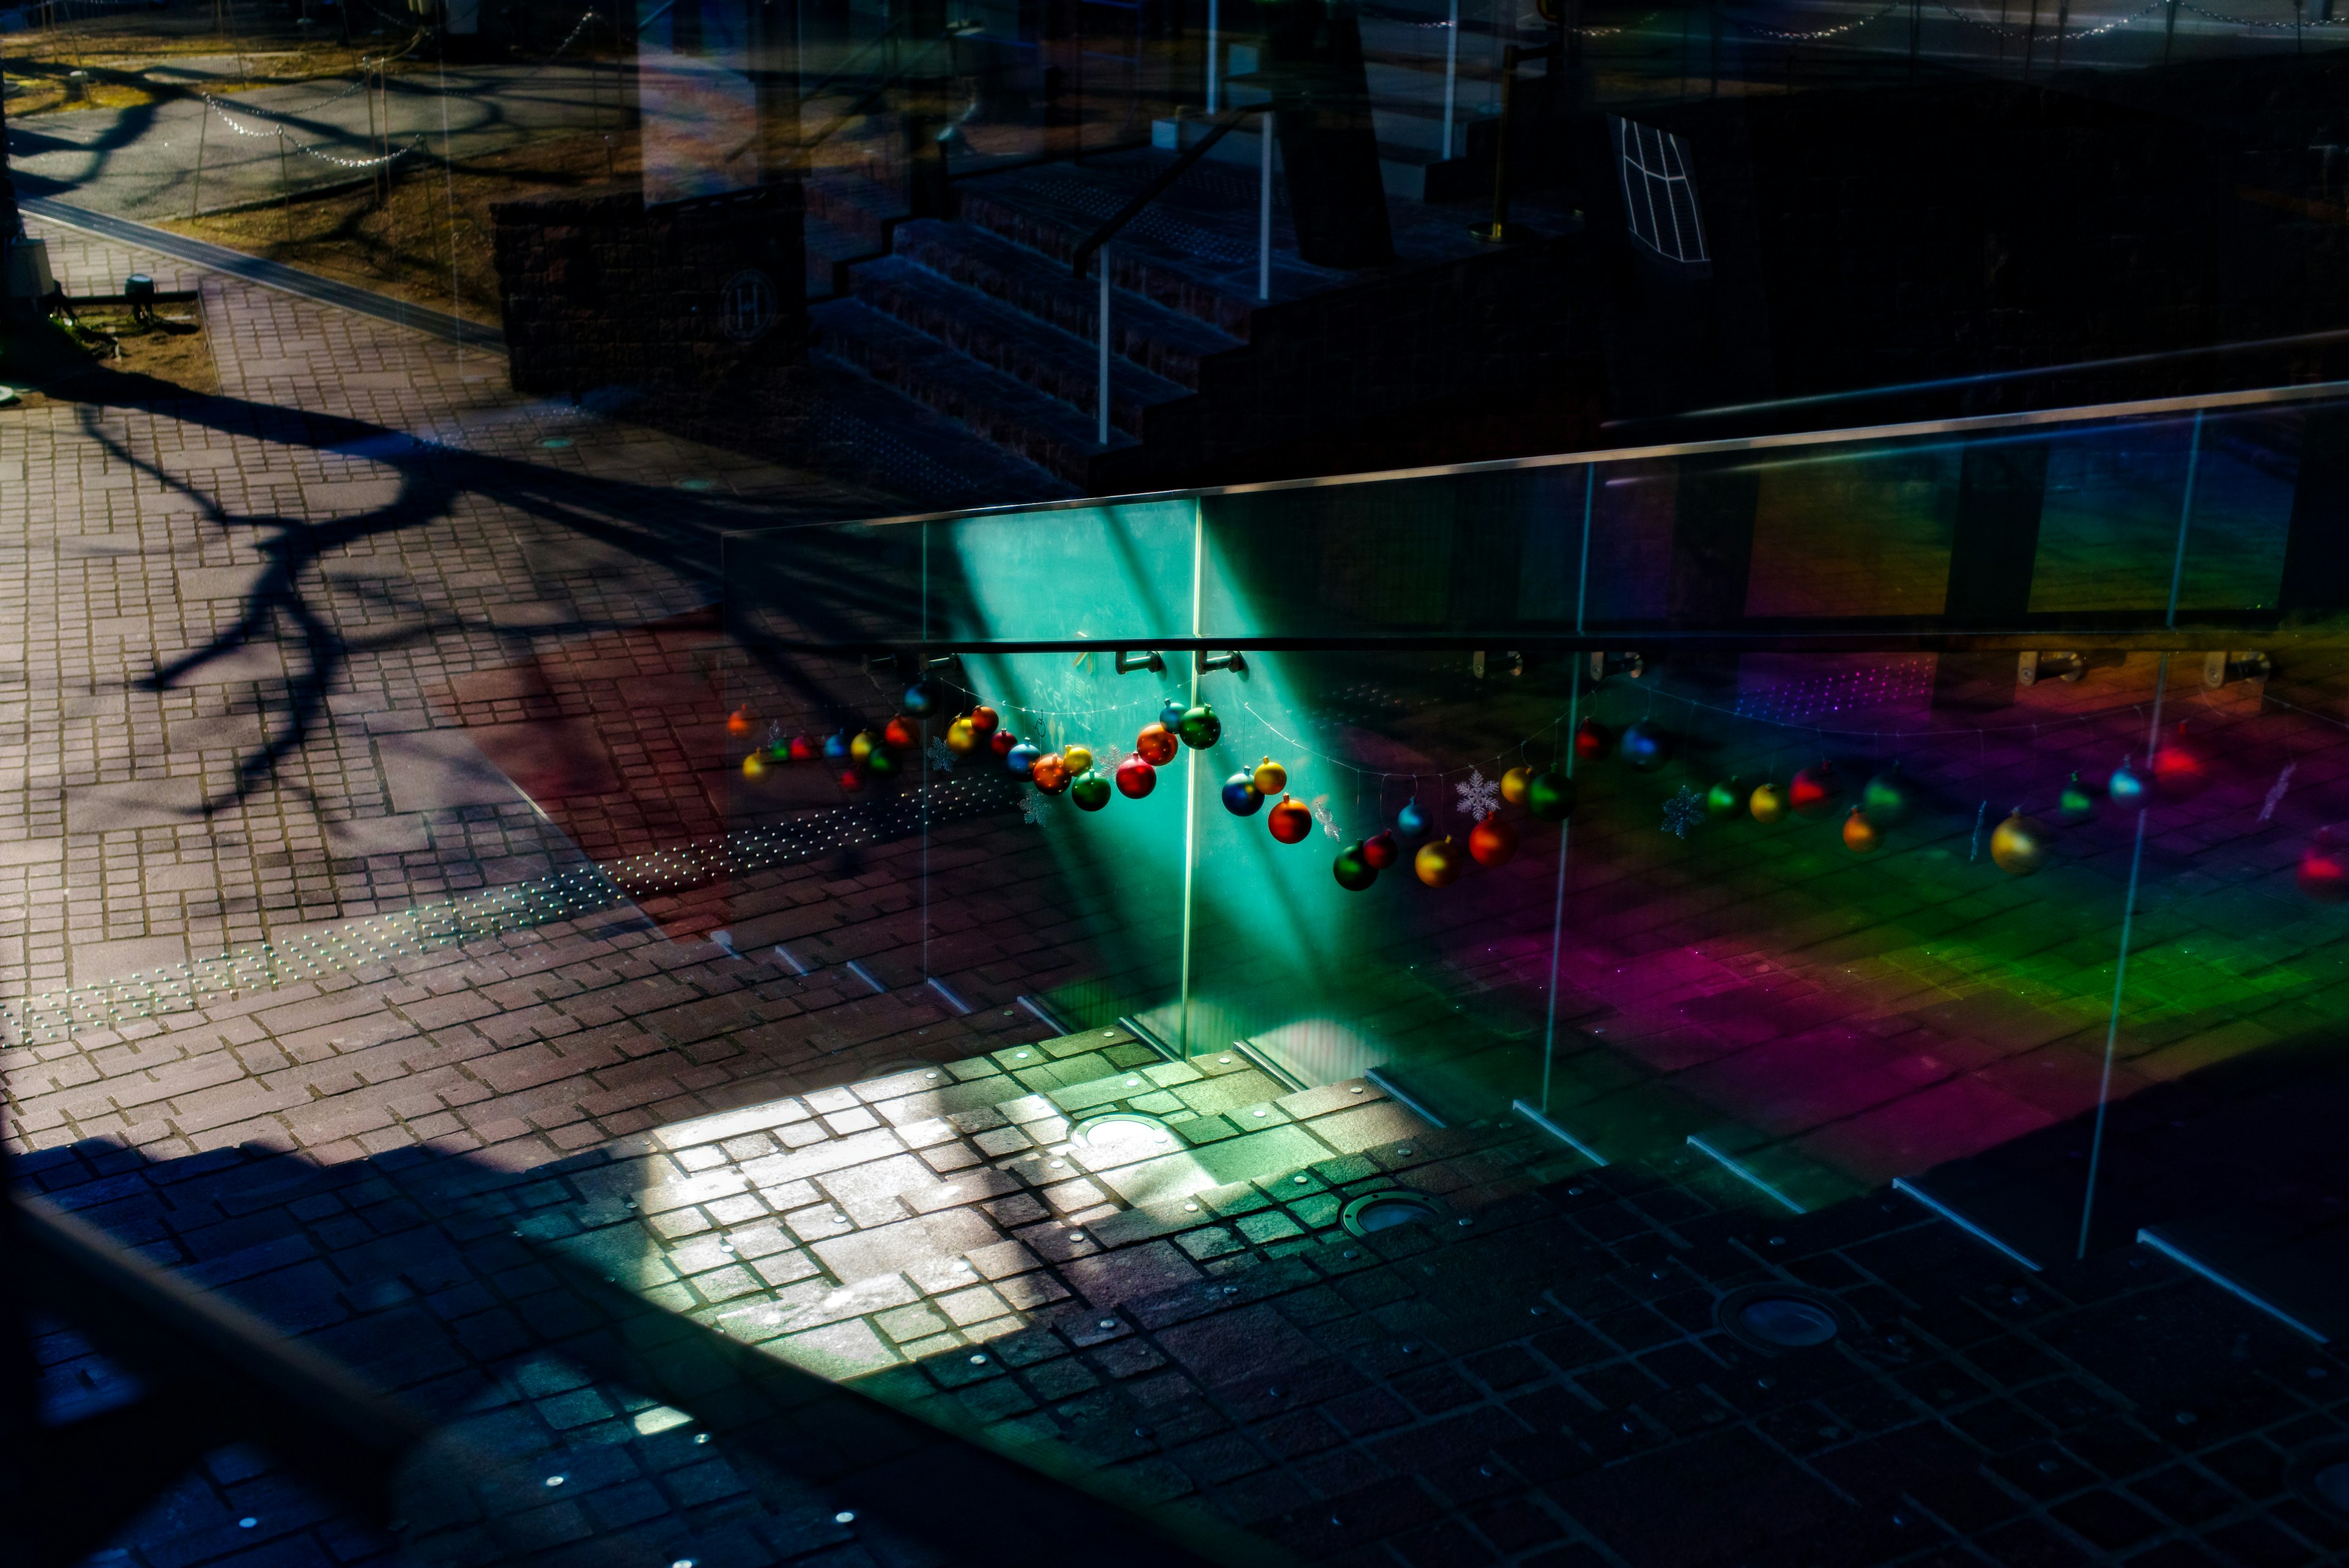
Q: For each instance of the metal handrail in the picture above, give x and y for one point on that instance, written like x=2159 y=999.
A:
x=1150 y=193
x=1224 y=122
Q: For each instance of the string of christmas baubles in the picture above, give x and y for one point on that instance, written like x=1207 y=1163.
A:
x=2019 y=846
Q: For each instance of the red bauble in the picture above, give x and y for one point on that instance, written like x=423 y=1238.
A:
x=738 y=722
x=1290 y=821
x=985 y=721
x=1001 y=741
x=1380 y=851
x=898 y=731
x=1136 y=777
x=2323 y=870
x=806 y=748
x=1493 y=842
x=1157 y=745
x=1593 y=740
x=1815 y=790
x=851 y=780
x=2180 y=771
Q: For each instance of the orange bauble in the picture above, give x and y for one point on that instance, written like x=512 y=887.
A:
x=1859 y=834
x=1290 y=821
x=898 y=731
x=1049 y=773
x=984 y=721
x=739 y=722
x=1156 y=744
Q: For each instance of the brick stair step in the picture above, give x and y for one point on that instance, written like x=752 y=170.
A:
x=999 y=405
x=1166 y=342
x=1055 y=362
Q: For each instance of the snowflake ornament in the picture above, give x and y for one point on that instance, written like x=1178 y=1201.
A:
x=1106 y=759
x=1326 y=817
x=1480 y=797
x=1682 y=812
x=1034 y=805
x=941 y=755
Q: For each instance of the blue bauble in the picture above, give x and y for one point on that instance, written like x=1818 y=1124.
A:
x=1020 y=758
x=836 y=746
x=1647 y=745
x=2127 y=788
x=1240 y=797
x=1171 y=715
x=920 y=699
x=1411 y=823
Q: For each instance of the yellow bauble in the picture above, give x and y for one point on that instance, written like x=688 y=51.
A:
x=1269 y=778
x=752 y=767
x=961 y=739
x=1080 y=760
x=1440 y=863
x=1859 y=834
x=1515 y=783
x=862 y=746
x=1768 y=803
x=2019 y=845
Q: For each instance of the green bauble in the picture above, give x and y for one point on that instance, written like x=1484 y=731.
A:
x=1353 y=871
x=879 y=762
x=1725 y=801
x=1886 y=798
x=1550 y=795
x=1200 y=728
x=1091 y=793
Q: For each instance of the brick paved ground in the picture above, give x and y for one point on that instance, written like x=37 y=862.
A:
x=1554 y=1367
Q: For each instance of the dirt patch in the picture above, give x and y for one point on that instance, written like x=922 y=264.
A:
x=406 y=244
x=167 y=352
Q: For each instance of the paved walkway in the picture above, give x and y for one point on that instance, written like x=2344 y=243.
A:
x=245 y=626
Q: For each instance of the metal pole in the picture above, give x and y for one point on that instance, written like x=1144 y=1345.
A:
x=2137 y=853
x=1451 y=75
x=1102 y=419
x=204 y=125
x=1214 y=36
x=1264 y=214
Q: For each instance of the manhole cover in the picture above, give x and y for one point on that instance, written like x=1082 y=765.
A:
x=1125 y=1134
x=1385 y=1210
x=1787 y=1320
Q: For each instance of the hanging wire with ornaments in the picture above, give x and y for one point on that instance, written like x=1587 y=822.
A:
x=279 y=133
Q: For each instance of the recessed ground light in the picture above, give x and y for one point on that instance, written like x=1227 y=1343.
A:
x=1385 y=1210
x=1190 y=1208
x=1109 y=1322
x=1783 y=1319
x=1076 y=1235
x=1227 y=1061
x=979 y=1361
x=554 y=1481
x=1121 y=1135
x=1355 y=1090
x=1133 y=1083
x=248 y=1522
x=1020 y=1056
x=845 y=1516
x=1301 y=1180
x=1262 y=1112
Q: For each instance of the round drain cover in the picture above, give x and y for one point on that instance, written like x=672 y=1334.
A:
x=1385 y=1210
x=1787 y=1320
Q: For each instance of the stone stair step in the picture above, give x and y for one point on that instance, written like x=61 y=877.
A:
x=997 y=406
x=1055 y=362
x=886 y=439
x=1192 y=251
x=1168 y=343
